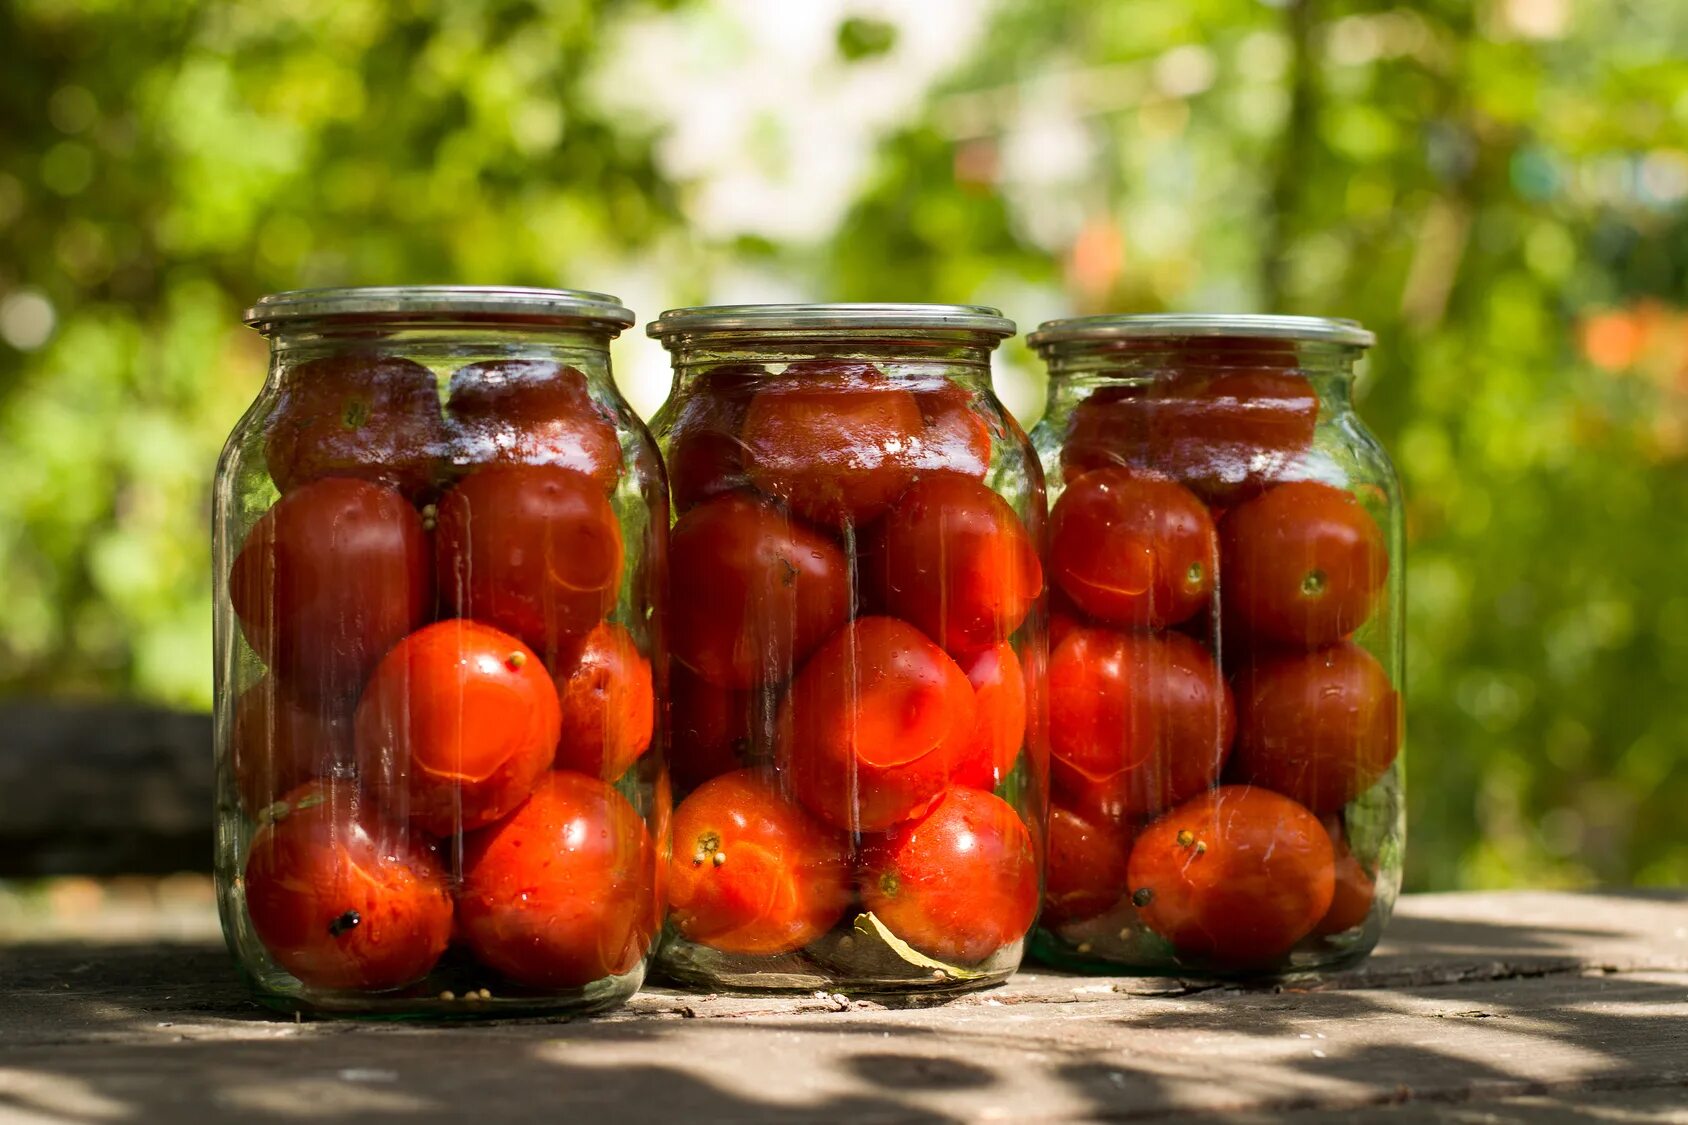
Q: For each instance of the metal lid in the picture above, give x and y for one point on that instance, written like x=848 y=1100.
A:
x=428 y=302
x=1172 y=326
x=841 y=318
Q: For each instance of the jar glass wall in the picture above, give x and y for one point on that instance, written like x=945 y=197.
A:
x=1226 y=648
x=439 y=546
x=857 y=641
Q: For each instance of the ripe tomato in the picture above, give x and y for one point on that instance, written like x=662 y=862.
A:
x=278 y=745
x=834 y=440
x=1085 y=872
x=705 y=457
x=952 y=557
x=1131 y=549
x=712 y=727
x=342 y=899
x=752 y=872
x=955 y=438
x=532 y=412
x=1238 y=875
x=751 y=591
x=1351 y=905
x=874 y=724
x=533 y=549
x=1319 y=726
x=1146 y=717
x=327 y=580
x=999 y=695
x=458 y=723
x=372 y=417
x=1304 y=564
x=1224 y=434
x=960 y=882
x=608 y=701
x=562 y=892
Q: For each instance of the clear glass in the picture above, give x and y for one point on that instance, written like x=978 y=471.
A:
x=857 y=638
x=1226 y=650
x=439 y=548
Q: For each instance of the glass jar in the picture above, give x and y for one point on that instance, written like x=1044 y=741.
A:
x=1226 y=650
x=856 y=635
x=439 y=545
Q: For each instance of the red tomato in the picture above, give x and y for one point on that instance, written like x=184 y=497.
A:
x=705 y=457
x=752 y=872
x=874 y=724
x=960 y=882
x=1304 y=565
x=608 y=701
x=956 y=438
x=562 y=892
x=1351 y=905
x=751 y=591
x=533 y=549
x=1238 y=875
x=532 y=412
x=953 y=558
x=457 y=725
x=834 y=440
x=342 y=899
x=999 y=693
x=373 y=417
x=1145 y=716
x=1320 y=726
x=278 y=745
x=327 y=580
x=1131 y=549
x=1222 y=434
x=1085 y=871
x=711 y=727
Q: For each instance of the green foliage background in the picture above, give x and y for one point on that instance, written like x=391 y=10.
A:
x=1500 y=189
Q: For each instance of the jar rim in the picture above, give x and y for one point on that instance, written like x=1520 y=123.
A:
x=1173 y=326
x=838 y=317
x=430 y=302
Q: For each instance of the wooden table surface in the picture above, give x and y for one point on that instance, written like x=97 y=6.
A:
x=1479 y=1007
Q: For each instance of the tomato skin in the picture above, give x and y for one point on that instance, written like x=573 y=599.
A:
x=1351 y=905
x=328 y=579
x=531 y=412
x=833 y=440
x=1085 y=870
x=960 y=882
x=1133 y=550
x=955 y=438
x=1146 y=718
x=342 y=899
x=874 y=724
x=1236 y=876
x=1321 y=727
x=999 y=696
x=457 y=725
x=562 y=892
x=1224 y=434
x=705 y=457
x=608 y=703
x=782 y=880
x=360 y=415
x=533 y=549
x=712 y=727
x=953 y=558
x=277 y=745
x=751 y=591
x=1304 y=565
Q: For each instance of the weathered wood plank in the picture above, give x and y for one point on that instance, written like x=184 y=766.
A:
x=1485 y=1007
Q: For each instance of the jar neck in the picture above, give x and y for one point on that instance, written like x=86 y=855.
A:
x=908 y=356
x=445 y=345
x=1078 y=368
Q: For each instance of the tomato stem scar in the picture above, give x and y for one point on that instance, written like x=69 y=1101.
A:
x=344 y=923
x=1142 y=897
x=515 y=661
